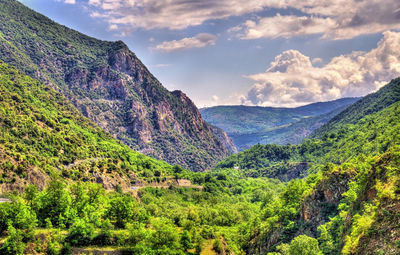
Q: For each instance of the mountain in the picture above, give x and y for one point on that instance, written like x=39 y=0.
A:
x=372 y=103
x=109 y=85
x=43 y=136
x=250 y=125
x=349 y=202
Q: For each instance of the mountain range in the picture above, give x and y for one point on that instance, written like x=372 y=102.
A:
x=250 y=125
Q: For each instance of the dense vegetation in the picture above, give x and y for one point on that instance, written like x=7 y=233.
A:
x=338 y=191
x=266 y=125
x=160 y=221
x=353 y=207
x=347 y=204
x=46 y=142
x=42 y=135
x=108 y=84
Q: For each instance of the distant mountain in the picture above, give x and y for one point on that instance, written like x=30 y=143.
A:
x=250 y=125
x=109 y=84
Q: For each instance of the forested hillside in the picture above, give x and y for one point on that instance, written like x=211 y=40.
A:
x=248 y=125
x=372 y=103
x=339 y=140
x=108 y=84
x=43 y=136
x=351 y=206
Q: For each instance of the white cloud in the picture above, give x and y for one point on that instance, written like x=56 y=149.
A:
x=292 y=80
x=286 y=26
x=340 y=19
x=67 y=1
x=317 y=60
x=163 y=65
x=199 y=41
x=177 y=14
x=95 y=2
x=112 y=27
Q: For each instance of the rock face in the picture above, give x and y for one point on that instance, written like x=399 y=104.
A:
x=110 y=85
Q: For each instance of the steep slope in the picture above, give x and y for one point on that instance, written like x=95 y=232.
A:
x=351 y=204
x=42 y=136
x=249 y=125
x=109 y=85
x=375 y=102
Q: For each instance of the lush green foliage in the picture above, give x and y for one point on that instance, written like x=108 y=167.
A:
x=173 y=220
x=347 y=204
x=366 y=161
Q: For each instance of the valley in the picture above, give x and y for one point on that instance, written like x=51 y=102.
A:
x=98 y=157
x=248 y=125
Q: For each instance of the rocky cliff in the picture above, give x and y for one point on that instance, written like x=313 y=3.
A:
x=110 y=85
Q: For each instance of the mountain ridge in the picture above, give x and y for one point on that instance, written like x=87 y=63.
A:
x=111 y=86
x=250 y=125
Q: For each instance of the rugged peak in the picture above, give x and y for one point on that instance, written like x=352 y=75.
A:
x=120 y=45
x=179 y=93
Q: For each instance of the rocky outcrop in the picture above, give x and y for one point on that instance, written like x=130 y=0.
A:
x=322 y=204
x=111 y=86
x=315 y=210
x=224 y=138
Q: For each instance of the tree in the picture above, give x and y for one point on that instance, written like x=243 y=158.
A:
x=55 y=204
x=164 y=237
x=31 y=192
x=304 y=245
x=122 y=210
x=80 y=233
x=186 y=240
x=14 y=244
x=22 y=215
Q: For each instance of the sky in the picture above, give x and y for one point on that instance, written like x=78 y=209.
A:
x=281 y=53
